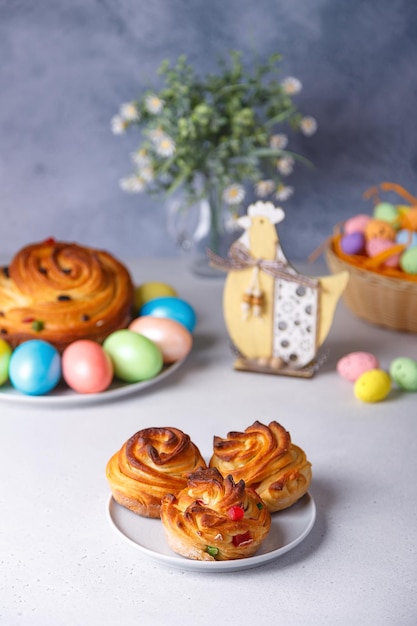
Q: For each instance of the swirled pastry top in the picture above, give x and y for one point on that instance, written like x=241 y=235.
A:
x=214 y=518
x=267 y=460
x=61 y=292
x=152 y=463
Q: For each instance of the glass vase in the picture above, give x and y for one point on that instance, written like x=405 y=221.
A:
x=202 y=224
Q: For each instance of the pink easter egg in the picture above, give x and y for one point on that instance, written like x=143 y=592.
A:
x=356 y=224
x=354 y=364
x=86 y=367
x=171 y=337
x=376 y=246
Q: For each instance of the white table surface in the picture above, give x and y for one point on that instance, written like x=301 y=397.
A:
x=61 y=563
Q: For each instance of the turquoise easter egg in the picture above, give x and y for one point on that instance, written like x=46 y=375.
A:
x=35 y=367
x=403 y=371
x=173 y=308
x=406 y=237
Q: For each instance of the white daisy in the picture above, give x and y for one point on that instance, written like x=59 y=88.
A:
x=153 y=104
x=234 y=194
x=278 y=141
x=147 y=174
x=291 y=85
x=141 y=158
x=165 y=146
x=308 y=126
x=156 y=134
x=118 y=125
x=264 y=188
x=129 y=112
x=132 y=184
x=284 y=192
x=285 y=165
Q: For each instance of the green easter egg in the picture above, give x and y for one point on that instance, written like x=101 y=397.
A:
x=5 y=354
x=386 y=211
x=135 y=357
x=408 y=260
x=403 y=371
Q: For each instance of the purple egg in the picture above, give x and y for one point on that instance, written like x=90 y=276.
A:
x=353 y=243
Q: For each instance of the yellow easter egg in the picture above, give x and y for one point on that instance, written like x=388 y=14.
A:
x=373 y=386
x=150 y=291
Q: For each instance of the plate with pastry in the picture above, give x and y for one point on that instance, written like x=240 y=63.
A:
x=170 y=505
x=66 y=335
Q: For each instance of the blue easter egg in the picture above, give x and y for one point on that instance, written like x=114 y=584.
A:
x=35 y=367
x=173 y=308
x=407 y=237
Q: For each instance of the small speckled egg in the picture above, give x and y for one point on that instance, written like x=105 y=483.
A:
x=150 y=291
x=386 y=211
x=377 y=246
x=5 y=354
x=408 y=261
x=173 y=308
x=403 y=371
x=354 y=364
x=353 y=243
x=406 y=237
x=35 y=367
x=86 y=367
x=373 y=386
x=356 y=224
x=379 y=229
x=135 y=357
x=171 y=337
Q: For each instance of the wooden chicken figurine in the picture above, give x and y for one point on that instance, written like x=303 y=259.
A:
x=276 y=317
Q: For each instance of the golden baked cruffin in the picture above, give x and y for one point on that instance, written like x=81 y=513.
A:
x=152 y=463
x=61 y=292
x=266 y=459
x=214 y=519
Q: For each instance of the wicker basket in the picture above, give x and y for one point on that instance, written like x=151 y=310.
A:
x=384 y=300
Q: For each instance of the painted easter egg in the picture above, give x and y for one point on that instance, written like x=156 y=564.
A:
x=134 y=357
x=354 y=364
x=5 y=354
x=356 y=224
x=373 y=386
x=379 y=229
x=408 y=261
x=403 y=371
x=377 y=246
x=173 y=308
x=406 y=237
x=171 y=337
x=386 y=211
x=353 y=243
x=35 y=367
x=150 y=291
x=86 y=367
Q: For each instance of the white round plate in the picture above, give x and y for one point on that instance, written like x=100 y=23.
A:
x=288 y=529
x=62 y=394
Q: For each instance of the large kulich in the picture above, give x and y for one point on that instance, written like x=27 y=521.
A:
x=61 y=292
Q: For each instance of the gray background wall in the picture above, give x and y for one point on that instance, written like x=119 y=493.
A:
x=66 y=65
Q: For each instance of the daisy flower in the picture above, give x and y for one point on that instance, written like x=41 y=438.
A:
x=165 y=146
x=129 y=112
x=278 y=141
x=156 y=134
x=308 y=126
x=284 y=192
x=146 y=173
x=264 y=188
x=118 y=125
x=141 y=158
x=234 y=194
x=153 y=104
x=132 y=184
x=291 y=85
x=285 y=165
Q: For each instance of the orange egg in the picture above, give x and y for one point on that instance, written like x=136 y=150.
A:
x=379 y=229
x=409 y=219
